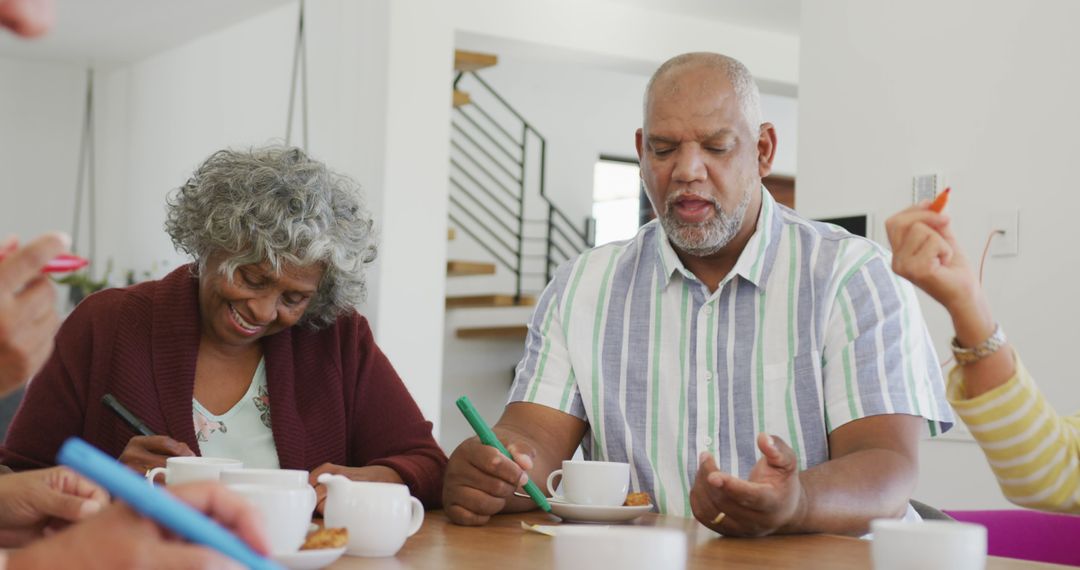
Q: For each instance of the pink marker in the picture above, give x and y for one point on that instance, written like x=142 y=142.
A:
x=63 y=263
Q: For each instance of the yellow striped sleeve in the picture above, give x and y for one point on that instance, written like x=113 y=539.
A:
x=1034 y=452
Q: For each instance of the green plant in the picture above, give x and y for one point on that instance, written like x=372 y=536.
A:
x=81 y=284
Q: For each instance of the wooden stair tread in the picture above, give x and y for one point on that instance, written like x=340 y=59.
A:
x=467 y=301
x=510 y=332
x=472 y=60
x=457 y=268
x=461 y=98
x=451 y=233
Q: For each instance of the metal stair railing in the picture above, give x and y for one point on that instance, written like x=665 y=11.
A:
x=494 y=173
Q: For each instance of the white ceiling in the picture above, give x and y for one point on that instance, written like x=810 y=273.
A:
x=117 y=31
x=773 y=15
x=114 y=31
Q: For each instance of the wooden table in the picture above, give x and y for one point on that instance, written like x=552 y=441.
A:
x=502 y=545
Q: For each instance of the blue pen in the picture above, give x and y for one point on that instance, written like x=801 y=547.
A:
x=156 y=504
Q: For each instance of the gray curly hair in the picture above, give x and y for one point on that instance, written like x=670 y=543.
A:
x=278 y=205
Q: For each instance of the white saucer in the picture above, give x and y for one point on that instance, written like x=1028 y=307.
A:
x=596 y=514
x=309 y=559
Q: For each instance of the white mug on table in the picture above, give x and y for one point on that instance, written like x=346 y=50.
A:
x=285 y=511
x=928 y=545
x=280 y=477
x=598 y=483
x=186 y=469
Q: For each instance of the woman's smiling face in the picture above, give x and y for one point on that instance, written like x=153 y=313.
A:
x=256 y=302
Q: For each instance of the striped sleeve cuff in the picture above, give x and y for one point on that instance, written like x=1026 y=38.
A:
x=1034 y=452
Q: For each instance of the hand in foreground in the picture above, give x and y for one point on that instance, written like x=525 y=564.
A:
x=377 y=473
x=480 y=480
x=120 y=538
x=925 y=252
x=34 y=502
x=144 y=452
x=28 y=319
x=770 y=501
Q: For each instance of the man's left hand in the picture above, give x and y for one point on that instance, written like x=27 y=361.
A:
x=770 y=500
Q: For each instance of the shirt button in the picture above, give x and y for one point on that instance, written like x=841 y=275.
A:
x=707 y=441
x=708 y=309
x=708 y=375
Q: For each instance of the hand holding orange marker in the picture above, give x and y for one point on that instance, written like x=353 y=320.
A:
x=939 y=203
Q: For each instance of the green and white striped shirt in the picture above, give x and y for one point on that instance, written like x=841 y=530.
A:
x=810 y=330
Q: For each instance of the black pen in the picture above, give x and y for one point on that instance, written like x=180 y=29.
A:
x=135 y=423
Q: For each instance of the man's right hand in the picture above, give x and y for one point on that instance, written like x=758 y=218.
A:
x=144 y=452
x=28 y=319
x=480 y=481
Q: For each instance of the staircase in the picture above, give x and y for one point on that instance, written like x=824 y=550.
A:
x=516 y=235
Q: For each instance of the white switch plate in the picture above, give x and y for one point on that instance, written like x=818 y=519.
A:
x=926 y=186
x=1007 y=244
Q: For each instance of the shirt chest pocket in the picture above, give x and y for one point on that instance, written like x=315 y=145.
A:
x=793 y=408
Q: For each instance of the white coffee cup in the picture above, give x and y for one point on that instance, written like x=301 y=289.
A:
x=281 y=477
x=625 y=548
x=285 y=511
x=379 y=516
x=928 y=545
x=187 y=469
x=599 y=483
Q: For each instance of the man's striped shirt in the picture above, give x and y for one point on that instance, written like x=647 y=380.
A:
x=810 y=330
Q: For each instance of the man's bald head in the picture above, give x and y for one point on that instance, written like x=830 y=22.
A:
x=746 y=90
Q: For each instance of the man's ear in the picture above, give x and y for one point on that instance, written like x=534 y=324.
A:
x=639 y=141
x=766 y=146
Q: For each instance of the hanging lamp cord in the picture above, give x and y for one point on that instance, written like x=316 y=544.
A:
x=86 y=174
x=299 y=71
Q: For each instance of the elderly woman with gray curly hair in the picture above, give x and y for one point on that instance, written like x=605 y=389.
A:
x=253 y=352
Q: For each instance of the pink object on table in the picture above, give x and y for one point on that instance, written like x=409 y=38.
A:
x=1028 y=535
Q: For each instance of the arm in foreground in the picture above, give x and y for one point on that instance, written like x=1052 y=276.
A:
x=120 y=538
x=33 y=503
x=28 y=318
x=1031 y=448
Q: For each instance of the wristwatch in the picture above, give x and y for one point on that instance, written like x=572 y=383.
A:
x=965 y=356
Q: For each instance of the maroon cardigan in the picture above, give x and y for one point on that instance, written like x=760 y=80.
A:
x=334 y=397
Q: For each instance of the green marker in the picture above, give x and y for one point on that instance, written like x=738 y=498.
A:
x=488 y=438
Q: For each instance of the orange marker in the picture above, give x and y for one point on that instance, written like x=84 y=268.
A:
x=939 y=203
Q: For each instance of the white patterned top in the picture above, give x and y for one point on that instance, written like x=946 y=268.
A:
x=243 y=432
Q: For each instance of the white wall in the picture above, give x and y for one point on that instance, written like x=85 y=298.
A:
x=635 y=38
x=585 y=105
x=379 y=86
x=985 y=93
x=41 y=114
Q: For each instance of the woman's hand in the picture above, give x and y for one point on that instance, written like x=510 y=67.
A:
x=33 y=501
x=377 y=473
x=120 y=538
x=925 y=252
x=144 y=452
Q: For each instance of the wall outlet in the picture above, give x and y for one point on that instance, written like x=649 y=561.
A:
x=1008 y=243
